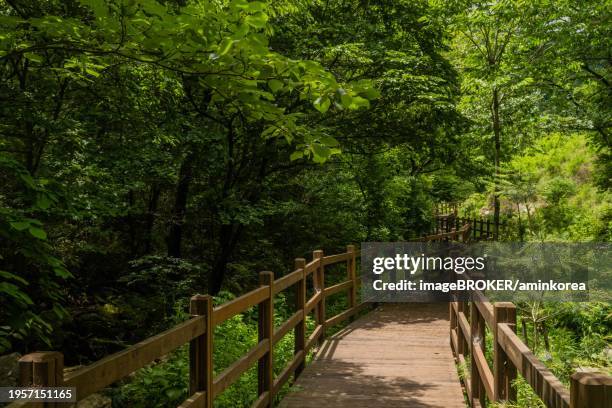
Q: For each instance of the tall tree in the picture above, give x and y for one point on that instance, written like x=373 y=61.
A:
x=487 y=35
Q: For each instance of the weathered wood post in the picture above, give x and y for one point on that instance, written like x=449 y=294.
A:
x=42 y=369
x=351 y=275
x=466 y=234
x=453 y=326
x=300 y=328
x=200 y=350
x=590 y=390
x=477 y=334
x=461 y=340
x=320 y=282
x=265 y=374
x=504 y=371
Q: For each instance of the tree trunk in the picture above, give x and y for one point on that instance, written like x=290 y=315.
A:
x=228 y=238
x=497 y=134
x=524 y=330
x=150 y=218
x=131 y=223
x=521 y=232
x=175 y=234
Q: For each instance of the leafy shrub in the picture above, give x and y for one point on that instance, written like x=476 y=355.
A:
x=557 y=189
x=165 y=384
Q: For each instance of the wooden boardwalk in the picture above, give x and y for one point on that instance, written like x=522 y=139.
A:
x=398 y=355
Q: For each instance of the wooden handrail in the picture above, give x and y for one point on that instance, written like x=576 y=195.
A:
x=198 y=333
x=511 y=355
x=457 y=234
x=119 y=365
x=288 y=280
x=332 y=259
x=548 y=388
x=239 y=305
x=467 y=334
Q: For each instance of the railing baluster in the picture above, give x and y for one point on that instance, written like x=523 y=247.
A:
x=461 y=341
x=503 y=370
x=350 y=272
x=591 y=390
x=200 y=350
x=42 y=369
x=300 y=329
x=265 y=374
x=319 y=279
x=477 y=331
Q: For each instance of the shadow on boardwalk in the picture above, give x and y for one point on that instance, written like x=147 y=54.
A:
x=395 y=356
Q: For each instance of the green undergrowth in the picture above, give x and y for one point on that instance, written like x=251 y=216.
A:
x=165 y=383
x=566 y=337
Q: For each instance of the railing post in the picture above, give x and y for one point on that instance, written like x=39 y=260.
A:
x=453 y=326
x=42 y=369
x=504 y=371
x=200 y=350
x=300 y=329
x=265 y=374
x=350 y=271
x=320 y=282
x=590 y=390
x=460 y=337
x=477 y=333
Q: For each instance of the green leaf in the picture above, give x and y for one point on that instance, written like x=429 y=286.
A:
x=8 y=275
x=20 y=225
x=253 y=6
x=43 y=202
x=14 y=292
x=328 y=141
x=225 y=46
x=5 y=345
x=34 y=57
x=99 y=8
x=346 y=100
x=62 y=272
x=359 y=102
x=322 y=104
x=321 y=152
x=296 y=155
x=10 y=20
x=370 y=93
x=275 y=85
x=38 y=233
x=28 y=180
x=257 y=20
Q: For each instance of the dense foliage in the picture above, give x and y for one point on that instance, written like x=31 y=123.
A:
x=152 y=149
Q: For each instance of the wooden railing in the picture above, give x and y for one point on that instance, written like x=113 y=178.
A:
x=453 y=234
x=468 y=324
x=47 y=368
x=445 y=208
x=481 y=229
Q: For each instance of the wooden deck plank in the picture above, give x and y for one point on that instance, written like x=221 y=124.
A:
x=396 y=356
